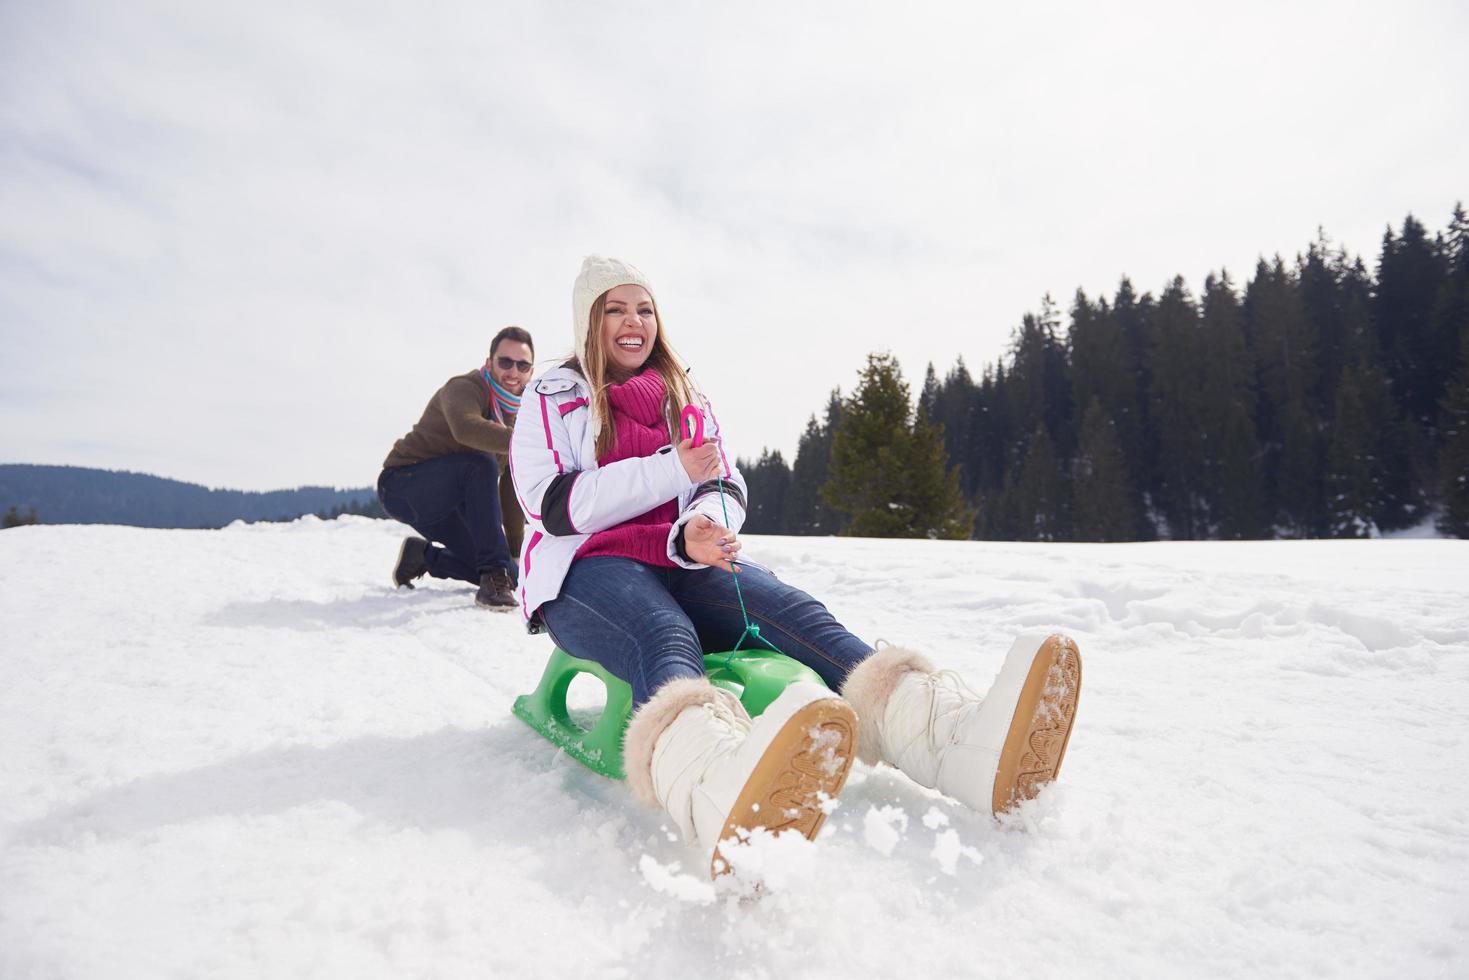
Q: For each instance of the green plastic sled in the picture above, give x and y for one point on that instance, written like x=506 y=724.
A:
x=755 y=676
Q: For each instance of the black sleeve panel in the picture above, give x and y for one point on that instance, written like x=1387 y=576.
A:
x=556 y=506
x=712 y=486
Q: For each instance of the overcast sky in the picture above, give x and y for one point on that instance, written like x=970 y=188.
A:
x=242 y=244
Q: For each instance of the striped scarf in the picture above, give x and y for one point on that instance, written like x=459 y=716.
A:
x=501 y=401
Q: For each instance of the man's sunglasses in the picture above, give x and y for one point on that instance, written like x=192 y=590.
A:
x=506 y=363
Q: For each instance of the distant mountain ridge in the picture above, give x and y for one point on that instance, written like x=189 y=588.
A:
x=82 y=495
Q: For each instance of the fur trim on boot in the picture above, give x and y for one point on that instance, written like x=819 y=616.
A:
x=649 y=722
x=867 y=688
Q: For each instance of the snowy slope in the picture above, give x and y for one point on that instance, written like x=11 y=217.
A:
x=238 y=753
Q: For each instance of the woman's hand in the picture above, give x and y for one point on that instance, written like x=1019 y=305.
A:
x=702 y=463
x=710 y=544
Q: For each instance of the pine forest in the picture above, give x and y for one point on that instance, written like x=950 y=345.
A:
x=1320 y=398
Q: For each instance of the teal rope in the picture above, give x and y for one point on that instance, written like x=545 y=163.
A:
x=751 y=630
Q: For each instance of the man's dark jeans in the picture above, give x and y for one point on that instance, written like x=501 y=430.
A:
x=453 y=501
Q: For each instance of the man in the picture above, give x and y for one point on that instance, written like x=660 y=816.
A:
x=444 y=478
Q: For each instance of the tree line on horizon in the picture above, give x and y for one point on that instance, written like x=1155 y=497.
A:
x=14 y=518
x=85 y=495
x=1321 y=399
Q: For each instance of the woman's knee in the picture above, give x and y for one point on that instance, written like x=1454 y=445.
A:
x=806 y=620
x=779 y=599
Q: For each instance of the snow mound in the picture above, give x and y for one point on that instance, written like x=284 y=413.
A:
x=242 y=753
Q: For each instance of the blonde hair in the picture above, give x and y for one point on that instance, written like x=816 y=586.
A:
x=592 y=363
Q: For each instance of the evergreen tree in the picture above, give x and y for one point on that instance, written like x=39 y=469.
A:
x=1035 y=498
x=1280 y=335
x=1353 y=490
x=1138 y=429
x=1104 y=504
x=986 y=458
x=1039 y=384
x=1409 y=274
x=930 y=392
x=1337 y=293
x=955 y=407
x=1454 y=458
x=14 y=518
x=806 y=511
x=1299 y=487
x=1104 y=366
x=1368 y=458
x=1233 y=482
x=368 y=507
x=865 y=481
x=988 y=455
x=1284 y=346
x=938 y=504
x=1176 y=401
x=1451 y=308
x=361 y=507
x=768 y=480
x=888 y=470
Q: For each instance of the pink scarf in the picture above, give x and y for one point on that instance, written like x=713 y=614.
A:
x=642 y=429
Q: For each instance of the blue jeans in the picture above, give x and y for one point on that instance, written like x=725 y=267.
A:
x=453 y=501
x=649 y=625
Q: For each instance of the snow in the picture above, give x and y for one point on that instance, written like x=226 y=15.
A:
x=883 y=828
x=240 y=753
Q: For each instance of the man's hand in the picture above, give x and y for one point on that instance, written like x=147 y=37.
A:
x=710 y=544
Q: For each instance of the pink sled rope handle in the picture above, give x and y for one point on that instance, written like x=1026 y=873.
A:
x=695 y=431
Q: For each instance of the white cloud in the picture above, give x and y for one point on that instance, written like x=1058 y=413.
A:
x=242 y=245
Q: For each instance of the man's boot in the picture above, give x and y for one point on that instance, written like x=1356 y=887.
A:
x=496 y=591
x=411 y=563
x=988 y=753
x=693 y=751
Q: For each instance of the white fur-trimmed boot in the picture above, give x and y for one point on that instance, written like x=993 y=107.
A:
x=988 y=753
x=693 y=751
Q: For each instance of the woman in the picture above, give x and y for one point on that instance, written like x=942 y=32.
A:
x=629 y=564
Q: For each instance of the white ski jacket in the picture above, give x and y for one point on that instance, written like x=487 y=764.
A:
x=567 y=497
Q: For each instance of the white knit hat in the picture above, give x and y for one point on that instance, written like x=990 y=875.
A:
x=598 y=274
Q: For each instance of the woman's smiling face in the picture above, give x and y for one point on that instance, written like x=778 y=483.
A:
x=629 y=328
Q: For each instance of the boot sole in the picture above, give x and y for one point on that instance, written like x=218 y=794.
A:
x=797 y=773
x=1041 y=726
